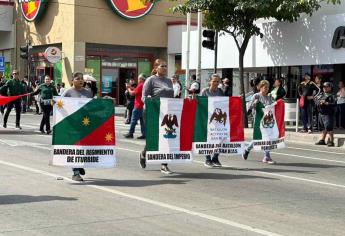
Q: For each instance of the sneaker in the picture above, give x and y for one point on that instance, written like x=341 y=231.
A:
x=82 y=171
x=141 y=137
x=128 y=135
x=142 y=161
x=77 y=178
x=165 y=170
x=330 y=144
x=303 y=131
x=208 y=163
x=310 y=131
x=320 y=142
x=268 y=161
x=216 y=163
x=18 y=127
x=245 y=155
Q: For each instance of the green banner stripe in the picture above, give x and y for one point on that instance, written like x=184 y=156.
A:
x=72 y=129
x=200 y=125
x=257 y=135
x=152 y=106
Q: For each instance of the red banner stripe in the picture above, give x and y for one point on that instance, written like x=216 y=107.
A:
x=280 y=114
x=7 y=99
x=187 y=124
x=236 y=119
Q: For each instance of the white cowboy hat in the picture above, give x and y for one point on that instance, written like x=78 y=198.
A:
x=89 y=78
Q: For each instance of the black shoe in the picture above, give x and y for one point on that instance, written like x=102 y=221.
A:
x=128 y=135
x=208 y=163
x=330 y=144
x=18 y=127
x=142 y=161
x=165 y=170
x=320 y=142
x=245 y=155
x=82 y=171
x=4 y=125
x=77 y=178
x=49 y=131
x=216 y=163
x=141 y=137
x=42 y=131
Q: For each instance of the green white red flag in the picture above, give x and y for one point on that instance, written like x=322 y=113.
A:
x=269 y=127
x=219 y=126
x=83 y=133
x=169 y=130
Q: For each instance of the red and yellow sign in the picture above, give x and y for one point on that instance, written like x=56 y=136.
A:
x=131 y=9
x=32 y=9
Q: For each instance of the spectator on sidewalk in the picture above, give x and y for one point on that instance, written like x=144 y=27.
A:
x=307 y=90
x=227 y=90
x=176 y=85
x=129 y=100
x=326 y=103
x=138 y=109
x=194 y=88
x=278 y=92
x=340 y=117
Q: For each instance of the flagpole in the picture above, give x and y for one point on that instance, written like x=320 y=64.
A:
x=187 y=53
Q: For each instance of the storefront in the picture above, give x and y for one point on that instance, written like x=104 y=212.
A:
x=113 y=48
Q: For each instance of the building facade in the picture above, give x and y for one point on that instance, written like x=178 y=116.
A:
x=111 y=40
x=314 y=45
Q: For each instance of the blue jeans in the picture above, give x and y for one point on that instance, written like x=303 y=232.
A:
x=137 y=115
x=250 y=147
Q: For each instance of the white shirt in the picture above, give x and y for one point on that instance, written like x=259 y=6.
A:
x=177 y=89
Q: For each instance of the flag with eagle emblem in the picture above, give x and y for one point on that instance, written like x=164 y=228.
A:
x=169 y=130
x=83 y=133
x=219 y=126
x=269 y=127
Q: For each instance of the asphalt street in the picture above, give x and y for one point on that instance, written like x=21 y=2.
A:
x=303 y=194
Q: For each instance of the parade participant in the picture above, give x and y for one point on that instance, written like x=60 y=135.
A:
x=341 y=105
x=46 y=91
x=326 y=103
x=2 y=82
x=307 y=90
x=13 y=87
x=25 y=82
x=77 y=91
x=194 y=88
x=212 y=91
x=138 y=109
x=265 y=98
x=278 y=92
x=157 y=85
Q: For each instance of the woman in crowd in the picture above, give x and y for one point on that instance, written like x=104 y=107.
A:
x=278 y=92
x=212 y=91
x=307 y=90
x=46 y=92
x=157 y=85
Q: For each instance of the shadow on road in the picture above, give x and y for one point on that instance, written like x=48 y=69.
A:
x=214 y=176
x=309 y=165
x=19 y=199
x=19 y=132
x=128 y=183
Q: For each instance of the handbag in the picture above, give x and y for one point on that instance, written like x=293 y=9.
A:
x=301 y=102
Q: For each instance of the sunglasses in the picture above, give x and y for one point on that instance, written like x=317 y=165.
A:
x=14 y=73
x=164 y=66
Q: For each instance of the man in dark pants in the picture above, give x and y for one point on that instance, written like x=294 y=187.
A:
x=13 y=87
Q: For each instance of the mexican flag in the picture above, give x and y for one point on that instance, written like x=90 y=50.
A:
x=83 y=133
x=169 y=130
x=219 y=126
x=269 y=127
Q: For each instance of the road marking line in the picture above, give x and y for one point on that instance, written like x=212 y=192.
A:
x=152 y=202
x=305 y=157
x=315 y=150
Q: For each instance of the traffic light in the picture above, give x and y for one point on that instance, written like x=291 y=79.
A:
x=209 y=42
x=24 y=51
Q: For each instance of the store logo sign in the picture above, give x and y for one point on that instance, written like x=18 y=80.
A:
x=131 y=9
x=339 y=38
x=53 y=54
x=32 y=9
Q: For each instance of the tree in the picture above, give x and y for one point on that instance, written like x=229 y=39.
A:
x=238 y=18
